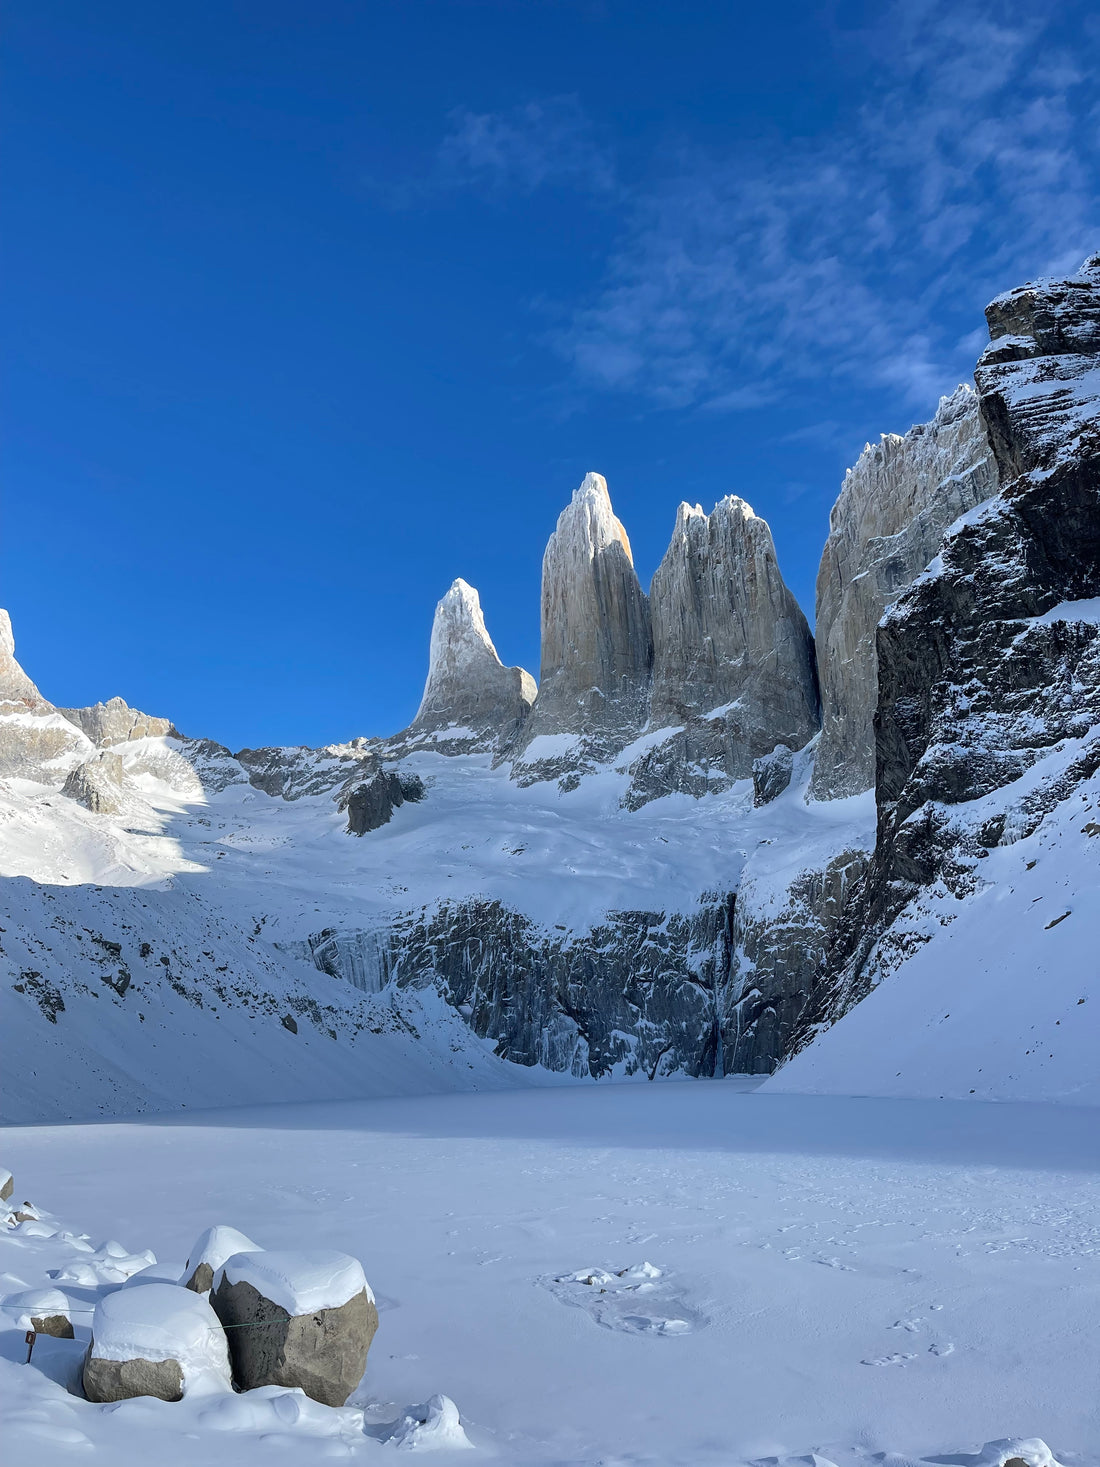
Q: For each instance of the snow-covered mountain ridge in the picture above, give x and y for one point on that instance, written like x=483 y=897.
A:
x=637 y=868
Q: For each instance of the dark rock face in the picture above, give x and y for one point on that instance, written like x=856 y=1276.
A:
x=293 y=772
x=771 y=774
x=121 y=1380
x=990 y=661
x=639 y=991
x=776 y=957
x=57 y=1325
x=371 y=805
x=884 y=528
x=323 y=1353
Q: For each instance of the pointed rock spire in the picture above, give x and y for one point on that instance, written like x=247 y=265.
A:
x=468 y=686
x=726 y=629
x=596 y=645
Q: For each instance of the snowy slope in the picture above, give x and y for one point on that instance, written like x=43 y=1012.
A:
x=999 y=996
x=211 y=891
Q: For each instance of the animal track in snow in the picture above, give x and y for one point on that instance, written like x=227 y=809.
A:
x=896 y=1359
x=945 y=1349
x=638 y=1300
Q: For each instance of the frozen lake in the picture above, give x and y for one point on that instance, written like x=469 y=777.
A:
x=845 y=1277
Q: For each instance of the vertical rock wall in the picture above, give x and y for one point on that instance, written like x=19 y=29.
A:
x=884 y=529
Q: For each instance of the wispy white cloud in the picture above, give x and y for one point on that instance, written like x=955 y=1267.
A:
x=549 y=142
x=973 y=163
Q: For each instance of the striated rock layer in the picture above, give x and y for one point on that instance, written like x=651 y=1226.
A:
x=990 y=664
x=883 y=530
x=596 y=642
x=470 y=699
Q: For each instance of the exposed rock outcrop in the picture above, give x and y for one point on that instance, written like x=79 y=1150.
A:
x=596 y=641
x=293 y=772
x=115 y=722
x=36 y=742
x=733 y=657
x=471 y=700
x=727 y=630
x=991 y=661
x=883 y=530
x=638 y=993
x=97 y=785
x=371 y=805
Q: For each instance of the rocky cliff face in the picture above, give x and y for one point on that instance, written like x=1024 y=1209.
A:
x=471 y=700
x=596 y=642
x=115 y=722
x=36 y=742
x=733 y=658
x=639 y=993
x=989 y=666
x=884 y=529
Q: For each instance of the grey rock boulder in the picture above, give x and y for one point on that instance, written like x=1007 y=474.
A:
x=211 y=1249
x=121 y=1380
x=471 y=700
x=156 y=1340
x=7 y=1185
x=884 y=529
x=321 y=1350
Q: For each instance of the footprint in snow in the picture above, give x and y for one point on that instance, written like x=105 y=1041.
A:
x=637 y=1300
x=945 y=1349
x=895 y=1359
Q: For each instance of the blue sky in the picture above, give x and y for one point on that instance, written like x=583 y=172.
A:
x=311 y=308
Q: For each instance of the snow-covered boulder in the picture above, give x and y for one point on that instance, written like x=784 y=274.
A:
x=211 y=1250
x=7 y=1184
x=436 y=1426
x=162 y=1340
x=310 y=1319
x=46 y=1311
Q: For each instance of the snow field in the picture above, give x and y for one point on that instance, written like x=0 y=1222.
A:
x=869 y=1281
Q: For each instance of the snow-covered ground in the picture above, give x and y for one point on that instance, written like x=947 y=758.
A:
x=999 y=996
x=846 y=1278
x=207 y=893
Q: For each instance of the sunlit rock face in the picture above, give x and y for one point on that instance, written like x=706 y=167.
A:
x=885 y=527
x=36 y=742
x=733 y=657
x=115 y=722
x=596 y=641
x=471 y=700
